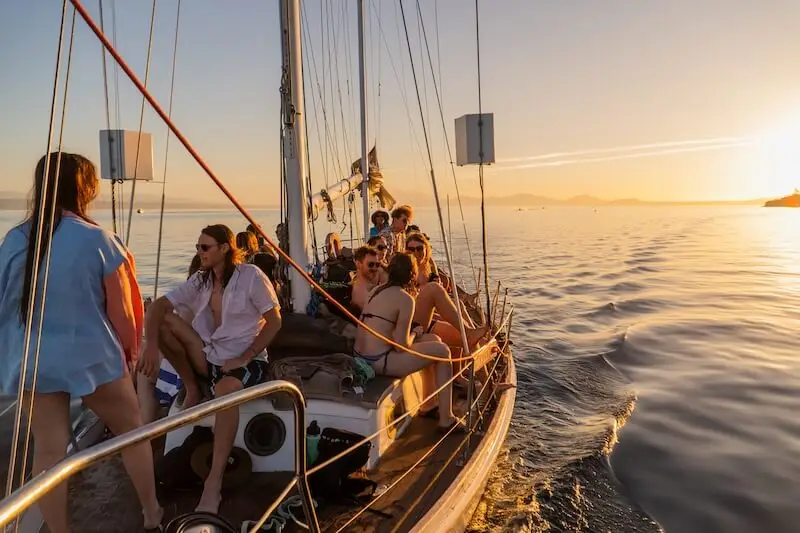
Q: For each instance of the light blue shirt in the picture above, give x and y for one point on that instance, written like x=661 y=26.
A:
x=79 y=347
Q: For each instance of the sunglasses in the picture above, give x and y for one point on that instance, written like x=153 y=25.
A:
x=415 y=249
x=204 y=247
x=380 y=247
x=373 y=264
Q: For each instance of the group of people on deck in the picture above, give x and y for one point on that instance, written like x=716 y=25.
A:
x=213 y=329
x=400 y=294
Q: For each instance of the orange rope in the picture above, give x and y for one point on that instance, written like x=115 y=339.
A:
x=157 y=108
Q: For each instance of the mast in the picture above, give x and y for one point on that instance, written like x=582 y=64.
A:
x=362 y=86
x=294 y=150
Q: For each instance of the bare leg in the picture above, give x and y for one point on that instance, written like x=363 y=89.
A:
x=428 y=386
x=402 y=364
x=115 y=403
x=148 y=403
x=432 y=297
x=51 y=430
x=226 y=424
x=183 y=348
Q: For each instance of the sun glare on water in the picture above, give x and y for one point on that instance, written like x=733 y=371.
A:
x=779 y=152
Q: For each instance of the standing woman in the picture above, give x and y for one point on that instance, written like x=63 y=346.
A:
x=93 y=320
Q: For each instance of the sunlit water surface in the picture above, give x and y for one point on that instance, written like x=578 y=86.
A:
x=656 y=356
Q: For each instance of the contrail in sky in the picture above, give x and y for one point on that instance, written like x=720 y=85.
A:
x=621 y=152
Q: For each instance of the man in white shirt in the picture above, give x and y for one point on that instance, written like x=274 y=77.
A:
x=236 y=316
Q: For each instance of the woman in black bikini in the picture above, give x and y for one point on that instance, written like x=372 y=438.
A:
x=389 y=311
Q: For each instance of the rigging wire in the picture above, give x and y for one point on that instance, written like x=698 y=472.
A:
x=336 y=69
x=141 y=123
x=301 y=271
x=47 y=255
x=309 y=191
x=435 y=188
x=480 y=167
x=108 y=124
x=117 y=115
x=166 y=153
x=378 y=97
x=37 y=254
x=400 y=77
x=310 y=45
x=439 y=99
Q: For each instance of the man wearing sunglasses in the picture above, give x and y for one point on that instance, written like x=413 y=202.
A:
x=367 y=268
x=236 y=316
x=395 y=234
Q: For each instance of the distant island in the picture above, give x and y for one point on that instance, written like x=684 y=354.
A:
x=793 y=200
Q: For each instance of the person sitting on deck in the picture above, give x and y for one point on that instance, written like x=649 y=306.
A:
x=262 y=243
x=236 y=316
x=247 y=243
x=380 y=247
x=367 y=268
x=395 y=234
x=389 y=310
x=432 y=298
x=333 y=246
x=380 y=221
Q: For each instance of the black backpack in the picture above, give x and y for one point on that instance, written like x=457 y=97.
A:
x=335 y=483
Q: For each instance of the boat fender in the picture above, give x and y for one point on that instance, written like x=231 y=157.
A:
x=237 y=472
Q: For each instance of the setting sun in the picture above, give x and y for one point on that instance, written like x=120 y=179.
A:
x=779 y=151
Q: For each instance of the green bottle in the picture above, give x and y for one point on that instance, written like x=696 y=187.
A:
x=312 y=443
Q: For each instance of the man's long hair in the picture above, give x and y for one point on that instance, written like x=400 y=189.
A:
x=222 y=234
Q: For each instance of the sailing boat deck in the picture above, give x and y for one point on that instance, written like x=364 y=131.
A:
x=102 y=498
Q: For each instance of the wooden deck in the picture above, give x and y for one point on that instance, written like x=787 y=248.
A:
x=102 y=498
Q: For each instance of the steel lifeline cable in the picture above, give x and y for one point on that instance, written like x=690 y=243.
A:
x=246 y=214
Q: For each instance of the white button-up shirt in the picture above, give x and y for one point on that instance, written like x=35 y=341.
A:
x=247 y=297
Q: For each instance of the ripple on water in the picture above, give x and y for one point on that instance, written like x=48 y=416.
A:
x=690 y=314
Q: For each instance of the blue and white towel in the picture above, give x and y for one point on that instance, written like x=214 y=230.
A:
x=168 y=383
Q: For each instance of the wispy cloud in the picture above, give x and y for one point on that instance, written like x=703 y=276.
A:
x=576 y=157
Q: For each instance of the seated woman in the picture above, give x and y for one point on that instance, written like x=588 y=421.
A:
x=389 y=311
x=432 y=297
x=248 y=243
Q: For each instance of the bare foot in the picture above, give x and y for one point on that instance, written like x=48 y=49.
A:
x=152 y=519
x=210 y=500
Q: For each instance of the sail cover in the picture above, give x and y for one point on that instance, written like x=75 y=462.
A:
x=376 y=186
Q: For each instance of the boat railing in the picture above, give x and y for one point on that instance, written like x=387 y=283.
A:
x=465 y=441
x=24 y=497
x=19 y=501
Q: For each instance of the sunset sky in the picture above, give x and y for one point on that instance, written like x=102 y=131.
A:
x=671 y=99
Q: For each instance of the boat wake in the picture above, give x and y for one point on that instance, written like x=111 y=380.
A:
x=555 y=474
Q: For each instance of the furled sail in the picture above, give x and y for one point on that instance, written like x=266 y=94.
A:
x=376 y=186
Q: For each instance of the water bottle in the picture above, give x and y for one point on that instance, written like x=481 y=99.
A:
x=312 y=443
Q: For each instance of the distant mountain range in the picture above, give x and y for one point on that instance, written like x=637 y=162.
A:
x=528 y=200
x=18 y=201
